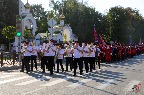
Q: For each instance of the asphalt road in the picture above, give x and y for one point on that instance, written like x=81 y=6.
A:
x=113 y=79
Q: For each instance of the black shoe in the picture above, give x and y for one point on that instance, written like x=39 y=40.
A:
x=27 y=72
x=51 y=73
x=74 y=75
x=21 y=70
x=57 y=72
x=81 y=73
x=43 y=71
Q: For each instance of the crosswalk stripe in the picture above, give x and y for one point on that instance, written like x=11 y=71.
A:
x=14 y=79
x=74 y=85
x=131 y=84
x=34 y=80
x=105 y=84
x=5 y=76
x=57 y=81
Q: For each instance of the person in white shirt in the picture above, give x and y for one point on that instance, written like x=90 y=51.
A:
x=44 y=56
x=77 y=58
x=27 y=55
x=98 y=51
x=92 y=50
x=69 y=57
x=34 y=56
x=51 y=55
x=85 y=58
x=59 y=57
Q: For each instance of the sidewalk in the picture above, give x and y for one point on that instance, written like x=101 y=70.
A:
x=7 y=66
x=17 y=66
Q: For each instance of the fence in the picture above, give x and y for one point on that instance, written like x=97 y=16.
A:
x=8 y=58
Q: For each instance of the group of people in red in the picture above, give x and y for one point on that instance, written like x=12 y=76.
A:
x=116 y=52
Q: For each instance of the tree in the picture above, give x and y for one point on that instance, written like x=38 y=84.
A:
x=41 y=17
x=9 y=32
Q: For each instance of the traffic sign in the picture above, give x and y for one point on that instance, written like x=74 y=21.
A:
x=52 y=22
x=51 y=30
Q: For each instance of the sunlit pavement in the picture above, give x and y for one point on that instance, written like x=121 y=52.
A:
x=112 y=79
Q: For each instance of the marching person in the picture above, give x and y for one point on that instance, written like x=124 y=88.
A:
x=44 y=58
x=98 y=51
x=27 y=55
x=69 y=58
x=92 y=54
x=51 y=55
x=34 y=56
x=77 y=58
x=59 y=57
x=85 y=53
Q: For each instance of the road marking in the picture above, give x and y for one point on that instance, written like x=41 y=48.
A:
x=57 y=81
x=131 y=84
x=34 y=80
x=105 y=84
x=14 y=79
x=74 y=85
x=5 y=76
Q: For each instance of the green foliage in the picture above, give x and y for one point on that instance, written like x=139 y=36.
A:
x=27 y=33
x=9 y=32
x=41 y=17
x=119 y=23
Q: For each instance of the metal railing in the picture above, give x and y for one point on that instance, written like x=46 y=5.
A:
x=9 y=58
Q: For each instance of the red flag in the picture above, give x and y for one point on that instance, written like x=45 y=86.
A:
x=102 y=41
x=95 y=34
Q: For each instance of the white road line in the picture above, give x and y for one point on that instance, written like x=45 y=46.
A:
x=14 y=79
x=131 y=84
x=34 y=80
x=105 y=84
x=13 y=73
x=74 y=85
x=5 y=76
x=57 y=81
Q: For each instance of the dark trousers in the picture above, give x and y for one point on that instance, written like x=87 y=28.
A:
x=25 y=63
x=78 y=61
x=69 y=61
x=91 y=62
x=51 y=63
x=33 y=59
x=44 y=62
x=99 y=61
x=59 y=61
x=86 y=60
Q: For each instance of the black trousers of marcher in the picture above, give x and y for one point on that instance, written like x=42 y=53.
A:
x=99 y=61
x=44 y=62
x=25 y=63
x=59 y=61
x=51 y=63
x=33 y=60
x=69 y=61
x=90 y=61
x=86 y=60
x=77 y=61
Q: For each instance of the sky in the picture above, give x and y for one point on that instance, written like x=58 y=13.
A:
x=101 y=5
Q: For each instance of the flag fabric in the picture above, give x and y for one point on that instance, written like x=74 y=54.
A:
x=95 y=35
x=102 y=41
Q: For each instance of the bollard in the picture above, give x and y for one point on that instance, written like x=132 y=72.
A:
x=14 y=56
x=1 y=58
